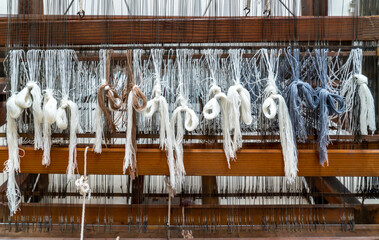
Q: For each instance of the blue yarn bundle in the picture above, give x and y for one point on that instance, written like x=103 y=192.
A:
x=296 y=93
x=326 y=104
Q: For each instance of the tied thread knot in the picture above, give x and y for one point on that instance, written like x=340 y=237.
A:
x=83 y=187
x=114 y=99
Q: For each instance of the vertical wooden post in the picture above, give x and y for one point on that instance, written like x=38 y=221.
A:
x=314 y=7
x=209 y=187
x=30 y=7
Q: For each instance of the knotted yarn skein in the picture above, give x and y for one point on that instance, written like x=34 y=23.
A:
x=271 y=109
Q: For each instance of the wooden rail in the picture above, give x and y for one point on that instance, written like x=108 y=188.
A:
x=221 y=214
x=97 y=30
x=206 y=162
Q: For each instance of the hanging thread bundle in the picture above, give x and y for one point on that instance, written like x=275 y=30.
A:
x=191 y=121
x=134 y=95
x=270 y=109
x=351 y=81
x=66 y=59
x=158 y=103
x=326 y=104
x=235 y=106
x=299 y=94
x=49 y=102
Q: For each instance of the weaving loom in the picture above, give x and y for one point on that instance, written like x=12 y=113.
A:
x=189 y=119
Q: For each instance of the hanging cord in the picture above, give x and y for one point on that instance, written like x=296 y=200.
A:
x=159 y=103
x=49 y=102
x=14 y=111
x=191 y=121
x=326 y=103
x=298 y=94
x=238 y=101
x=83 y=187
x=105 y=91
x=132 y=96
x=353 y=80
x=66 y=59
x=270 y=109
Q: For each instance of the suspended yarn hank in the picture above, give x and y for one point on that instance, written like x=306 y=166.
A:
x=326 y=103
x=298 y=94
x=159 y=104
x=134 y=95
x=105 y=92
x=239 y=105
x=352 y=78
x=270 y=109
x=49 y=102
x=66 y=61
x=191 y=121
x=34 y=61
x=218 y=102
x=14 y=111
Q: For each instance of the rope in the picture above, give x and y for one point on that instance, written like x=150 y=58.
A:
x=83 y=187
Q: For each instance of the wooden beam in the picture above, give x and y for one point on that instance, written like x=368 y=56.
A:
x=96 y=30
x=207 y=162
x=197 y=214
x=331 y=185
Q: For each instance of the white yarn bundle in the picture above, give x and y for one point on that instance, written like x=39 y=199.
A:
x=239 y=102
x=12 y=165
x=159 y=104
x=66 y=58
x=353 y=80
x=218 y=103
x=29 y=96
x=49 y=103
x=34 y=65
x=184 y=57
x=270 y=109
x=99 y=121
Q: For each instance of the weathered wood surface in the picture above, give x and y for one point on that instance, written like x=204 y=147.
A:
x=96 y=30
x=207 y=162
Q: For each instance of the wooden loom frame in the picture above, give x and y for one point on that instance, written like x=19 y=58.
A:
x=199 y=161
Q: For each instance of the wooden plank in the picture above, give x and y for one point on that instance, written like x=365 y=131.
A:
x=207 y=162
x=95 y=30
